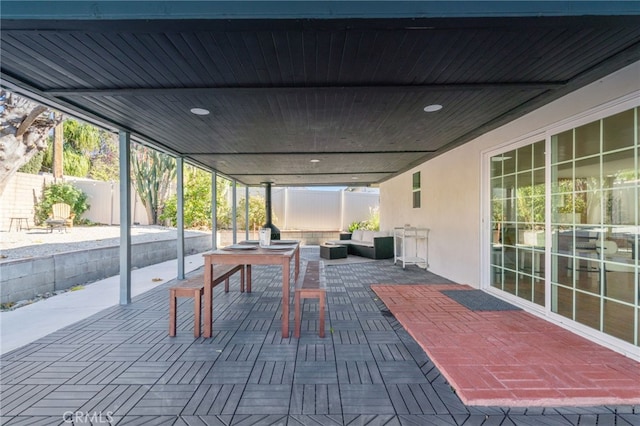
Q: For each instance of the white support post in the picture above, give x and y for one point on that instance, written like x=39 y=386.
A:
x=234 y=211
x=214 y=209
x=180 y=215
x=246 y=211
x=124 y=141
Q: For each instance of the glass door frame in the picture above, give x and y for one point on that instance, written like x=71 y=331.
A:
x=605 y=110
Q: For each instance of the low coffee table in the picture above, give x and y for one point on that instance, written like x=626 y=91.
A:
x=333 y=251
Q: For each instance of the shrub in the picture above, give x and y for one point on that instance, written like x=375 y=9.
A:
x=61 y=193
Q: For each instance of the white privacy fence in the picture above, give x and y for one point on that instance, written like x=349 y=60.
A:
x=293 y=208
x=321 y=210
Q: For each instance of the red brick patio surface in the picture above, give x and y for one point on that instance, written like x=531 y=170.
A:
x=510 y=358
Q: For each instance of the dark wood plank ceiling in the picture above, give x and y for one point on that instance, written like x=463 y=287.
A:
x=281 y=92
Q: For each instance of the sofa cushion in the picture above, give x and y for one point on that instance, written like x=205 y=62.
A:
x=357 y=235
x=362 y=243
x=379 y=234
x=367 y=236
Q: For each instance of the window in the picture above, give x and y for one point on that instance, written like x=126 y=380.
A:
x=416 y=190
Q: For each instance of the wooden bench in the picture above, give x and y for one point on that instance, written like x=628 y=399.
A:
x=194 y=287
x=310 y=286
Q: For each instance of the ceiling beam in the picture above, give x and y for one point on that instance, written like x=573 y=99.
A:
x=236 y=154
x=156 y=91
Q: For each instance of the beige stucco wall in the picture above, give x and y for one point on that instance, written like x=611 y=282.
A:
x=451 y=183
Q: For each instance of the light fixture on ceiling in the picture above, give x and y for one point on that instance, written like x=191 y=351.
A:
x=433 y=108
x=354 y=177
x=314 y=160
x=199 y=111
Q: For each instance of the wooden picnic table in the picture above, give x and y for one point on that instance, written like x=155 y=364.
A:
x=277 y=254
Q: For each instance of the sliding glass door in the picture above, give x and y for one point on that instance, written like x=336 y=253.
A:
x=592 y=192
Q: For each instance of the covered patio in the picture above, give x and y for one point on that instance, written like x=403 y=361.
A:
x=330 y=93
x=121 y=363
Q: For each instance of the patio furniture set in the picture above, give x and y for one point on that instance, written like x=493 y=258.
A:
x=365 y=243
x=220 y=265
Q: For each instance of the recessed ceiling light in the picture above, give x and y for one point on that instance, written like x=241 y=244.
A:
x=199 y=111
x=432 y=108
x=315 y=160
x=354 y=177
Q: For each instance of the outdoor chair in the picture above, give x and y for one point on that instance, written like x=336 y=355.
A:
x=61 y=217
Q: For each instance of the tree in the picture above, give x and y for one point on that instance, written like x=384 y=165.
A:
x=24 y=131
x=257 y=213
x=152 y=174
x=197 y=201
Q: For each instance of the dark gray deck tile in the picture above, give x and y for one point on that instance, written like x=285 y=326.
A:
x=428 y=420
x=375 y=324
x=248 y=337
x=337 y=302
x=342 y=315
x=201 y=352
x=28 y=395
x=394 y=372
x=340 y=325
x=189 y=372
x=315 y=372
x=145 y=420
x=349 y=337
x=229 y=372
x=256 y=324
x=274 y=336
x=264 y=399
x=33 y=421
x=16 y=372
x=204 y=421
x=546 y=420
x=413 y=399
x=239 y=352
x=164 y=399
x=272 y=372
x=214 y=400
x=277 y=353
x=219 y=338
x=391 y=352
x=365 y=398
x=314 y=400
x=371 y=420
x=313 y=420
x=164 y=352
x=358 y=372
x=353 y=352
x=311 y=351
x=259 y=420
x=126 y=352
x=630 y=418
x=142 y=373
x=378 y=337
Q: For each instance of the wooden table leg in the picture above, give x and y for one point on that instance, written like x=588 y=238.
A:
x=248 y=278
x=286 y=271
x=208 y=305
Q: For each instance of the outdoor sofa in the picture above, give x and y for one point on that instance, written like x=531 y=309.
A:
x=371 y=244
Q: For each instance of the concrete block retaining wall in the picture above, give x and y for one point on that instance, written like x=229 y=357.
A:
x=26 y=278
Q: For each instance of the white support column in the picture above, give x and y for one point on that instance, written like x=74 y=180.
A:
x=214 y=209
x=246 y=211
x=180 y=215
x=234 y=211
x=124 y=141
